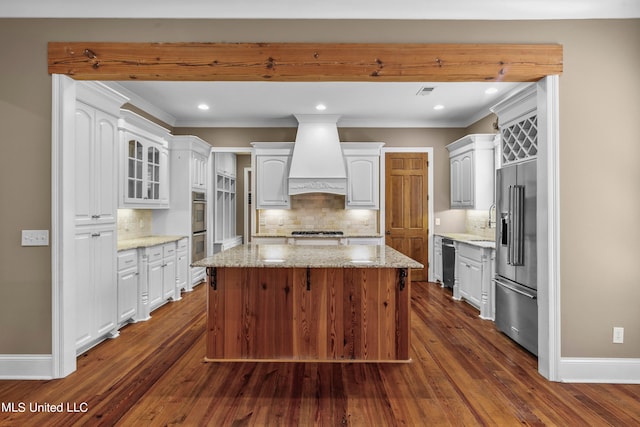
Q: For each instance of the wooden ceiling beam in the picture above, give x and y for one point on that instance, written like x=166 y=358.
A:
x=305 y=61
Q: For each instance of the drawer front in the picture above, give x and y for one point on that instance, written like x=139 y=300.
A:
x=154 y=253
x=470 y=251
x=169 y=250
x=183 y=244
x=127 y=259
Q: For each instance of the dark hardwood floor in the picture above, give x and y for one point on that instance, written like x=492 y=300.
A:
x=464 y=372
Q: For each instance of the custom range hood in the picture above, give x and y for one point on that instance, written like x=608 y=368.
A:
x=317 y=164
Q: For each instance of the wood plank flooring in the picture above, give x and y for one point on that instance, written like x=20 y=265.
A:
x=464 y=372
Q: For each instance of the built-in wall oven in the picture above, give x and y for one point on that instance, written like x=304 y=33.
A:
x=198 y=226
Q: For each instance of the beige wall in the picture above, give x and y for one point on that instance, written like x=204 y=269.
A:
x=599 y=108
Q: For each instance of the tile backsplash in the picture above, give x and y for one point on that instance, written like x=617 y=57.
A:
x=318 y=211
x=134 y=223
x=477 y=222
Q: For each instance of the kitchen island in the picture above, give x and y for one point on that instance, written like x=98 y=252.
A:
x=308 y=303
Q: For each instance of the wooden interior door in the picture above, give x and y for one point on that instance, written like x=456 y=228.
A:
x=406 y=207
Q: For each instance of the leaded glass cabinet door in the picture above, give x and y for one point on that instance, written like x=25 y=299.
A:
x=153 y=174
x=135 y=163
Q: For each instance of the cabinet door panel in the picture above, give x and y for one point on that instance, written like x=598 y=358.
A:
x=84 y=136
x=169 y=278
x=127 y=295
x=154 y=278
x=271 y=181
x=84 y=288
x=106 y=294
x=104 y=167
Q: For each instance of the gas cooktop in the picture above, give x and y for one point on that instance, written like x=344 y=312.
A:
x=316 y=233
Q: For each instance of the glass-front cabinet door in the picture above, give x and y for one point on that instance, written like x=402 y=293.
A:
x=146 y=179
x=153 y=174
x=135 y=162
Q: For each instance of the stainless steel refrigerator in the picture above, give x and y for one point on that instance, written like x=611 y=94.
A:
x=516 y=259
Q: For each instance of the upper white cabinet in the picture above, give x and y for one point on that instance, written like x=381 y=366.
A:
x=272 y=162
x=472 y=171
x=144 y=163
x=362 y=162
x=518 y=119
x=95 y=166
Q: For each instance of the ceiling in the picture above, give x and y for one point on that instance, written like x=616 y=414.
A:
x=273 y=104
x=326 y=9
x=358 y=104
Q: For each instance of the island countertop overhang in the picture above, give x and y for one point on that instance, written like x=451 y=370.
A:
x=291 y=256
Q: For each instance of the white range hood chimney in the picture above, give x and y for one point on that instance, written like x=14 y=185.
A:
x=317 y=164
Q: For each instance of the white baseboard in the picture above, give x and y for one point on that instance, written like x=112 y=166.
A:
x=26 y=366
x=599 y=370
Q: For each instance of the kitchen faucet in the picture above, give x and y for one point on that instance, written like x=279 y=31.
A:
x=492 y=207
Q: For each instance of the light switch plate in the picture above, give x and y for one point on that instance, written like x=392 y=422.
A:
x=35 y=237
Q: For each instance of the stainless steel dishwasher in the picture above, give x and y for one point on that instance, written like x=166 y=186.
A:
x=448 y=262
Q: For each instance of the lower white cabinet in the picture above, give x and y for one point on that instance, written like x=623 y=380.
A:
x=96 y=297
x=182 y=267
x=437 y=259
x=469 y=280
x=127 y=286
x=161 y=274
x=473 y=272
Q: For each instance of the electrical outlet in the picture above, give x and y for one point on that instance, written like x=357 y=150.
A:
x=618 y=335
x=437 y=221
x=35 y=237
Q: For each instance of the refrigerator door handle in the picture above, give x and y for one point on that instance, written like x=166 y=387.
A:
x=513 y=288
x=516 y=242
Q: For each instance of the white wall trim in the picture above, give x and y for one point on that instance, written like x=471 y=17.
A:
x=549 y=344
x=26 y=366
x=599 y=370
x=429 y=151
x=62 y=249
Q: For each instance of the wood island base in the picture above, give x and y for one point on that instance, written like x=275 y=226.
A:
x=308 y=314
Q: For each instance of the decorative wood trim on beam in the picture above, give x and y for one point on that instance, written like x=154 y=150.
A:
x=305 y=61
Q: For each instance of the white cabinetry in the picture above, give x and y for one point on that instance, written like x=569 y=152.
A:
x=127 y=285
x=437 y=259
x=225 y=236
x=160 y=280
x=144 y=163
x=189 y=165
x=95 y=207
x=95 y=166
x=96 y=297
x=518 y=120
x=182 y=267
x=271 y=163
x=472 y=171
x=474 y=268
x=362 y=161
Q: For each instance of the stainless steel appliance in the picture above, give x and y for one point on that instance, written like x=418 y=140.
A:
x=516 y=258
x=198 y=226
x=448 y=262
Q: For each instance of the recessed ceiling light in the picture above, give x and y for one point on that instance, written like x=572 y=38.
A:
x=439 y=107
x=491 y=91
x=203 y=107
x=321 y=107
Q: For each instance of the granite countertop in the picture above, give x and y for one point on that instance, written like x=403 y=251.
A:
x=470 y=239
x=147 y=241
x=291 y=256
